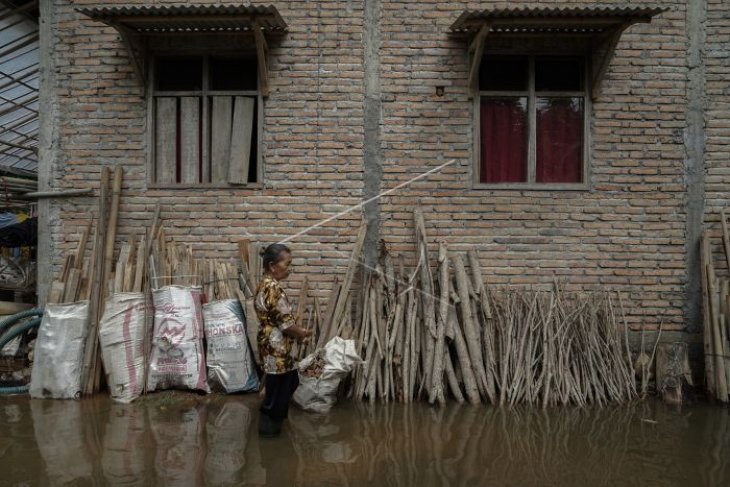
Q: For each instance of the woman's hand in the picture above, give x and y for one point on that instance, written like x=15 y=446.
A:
x=307 y=336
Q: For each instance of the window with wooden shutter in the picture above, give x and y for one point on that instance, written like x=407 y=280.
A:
x=206 y=119
x=204 y=69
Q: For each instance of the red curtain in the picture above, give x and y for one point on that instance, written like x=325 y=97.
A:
x=559 y=140
x=503 y=140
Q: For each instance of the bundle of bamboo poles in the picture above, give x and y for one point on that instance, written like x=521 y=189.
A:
x=72 y=282
x=221 y=280
x=422 y=337
x=130 y=268
x=18 y=184
x=172 y=264
x=716 y=318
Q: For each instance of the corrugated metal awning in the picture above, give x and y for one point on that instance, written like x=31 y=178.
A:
x=136 y=24
x=163 y=19
x=602 y=25
x=553 y=19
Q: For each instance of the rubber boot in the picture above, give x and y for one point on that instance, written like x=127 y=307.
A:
x=268 y=426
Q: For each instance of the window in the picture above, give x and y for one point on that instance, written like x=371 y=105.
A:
x=531 y=113
x=206 y=116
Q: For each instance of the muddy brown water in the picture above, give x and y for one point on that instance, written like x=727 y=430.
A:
x=188 y=440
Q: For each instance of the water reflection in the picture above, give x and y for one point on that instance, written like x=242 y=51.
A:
x=179 y=445
x=227 y=432
x=125 y=439
x=212 y=440
x=61 y=435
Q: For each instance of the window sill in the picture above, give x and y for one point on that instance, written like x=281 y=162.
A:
x=533 y=187
x=252 y=186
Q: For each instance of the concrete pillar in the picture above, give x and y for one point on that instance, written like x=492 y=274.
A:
x=47 y=143
x=373 y=156
x=694 y=161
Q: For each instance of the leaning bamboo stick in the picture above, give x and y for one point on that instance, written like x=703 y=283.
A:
x=471 y=334
x=705 y=257
x=79 y=254
x=719 y=366
x=437 y=389
x=112 y=227
x=428 y=303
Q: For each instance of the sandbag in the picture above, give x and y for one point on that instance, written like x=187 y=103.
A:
x=122 y=334
x=317 y=391
x=59 y=351
x=230 y=362
x=177 y=358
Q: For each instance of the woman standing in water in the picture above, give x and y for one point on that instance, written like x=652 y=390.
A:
x=276 y=333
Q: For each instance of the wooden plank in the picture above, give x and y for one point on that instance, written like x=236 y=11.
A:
x=118 y=281
x=68 y=264
x=79 y=255
x=242 y=130
x=166 y=140
x=139 y=267
x=720 y=375
x=128 y=281
x=220 y=132
x=341 y=297
x=476 y=59
x=705 y=256
x=725 y=237
x=72 y=286
x=190 y=139
x=262 y=52
x=602 y=59
x=302 y=301
x=111 y=232
x=95 y=287
x=252 y=324
x=56 y=292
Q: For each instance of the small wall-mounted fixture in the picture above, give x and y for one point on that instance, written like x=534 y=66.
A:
x=439 y=91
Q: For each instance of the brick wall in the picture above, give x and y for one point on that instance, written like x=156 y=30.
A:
x=626 y=232
x=312 y=141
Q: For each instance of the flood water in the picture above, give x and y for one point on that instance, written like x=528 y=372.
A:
x=183 y=439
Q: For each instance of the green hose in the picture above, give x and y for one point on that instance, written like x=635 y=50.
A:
x=11 y=320
x=15 y=390
x=4 y=339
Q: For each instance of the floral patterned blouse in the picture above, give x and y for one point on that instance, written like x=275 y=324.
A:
x=275 y=314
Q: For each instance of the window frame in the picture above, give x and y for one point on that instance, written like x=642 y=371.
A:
x=532 y=96
x=151 y=94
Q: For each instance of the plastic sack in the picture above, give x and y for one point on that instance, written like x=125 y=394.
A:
x=319 y=394
x=122 y=334
x=230 y=363
x=59 y=351
x=177 y=359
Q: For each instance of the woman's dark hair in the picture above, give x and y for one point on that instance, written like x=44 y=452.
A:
x=273 y=254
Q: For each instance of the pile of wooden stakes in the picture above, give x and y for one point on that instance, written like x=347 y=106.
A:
x=422 y=337
x=716 y=318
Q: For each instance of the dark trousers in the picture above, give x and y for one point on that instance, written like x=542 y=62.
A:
x=279 y=389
